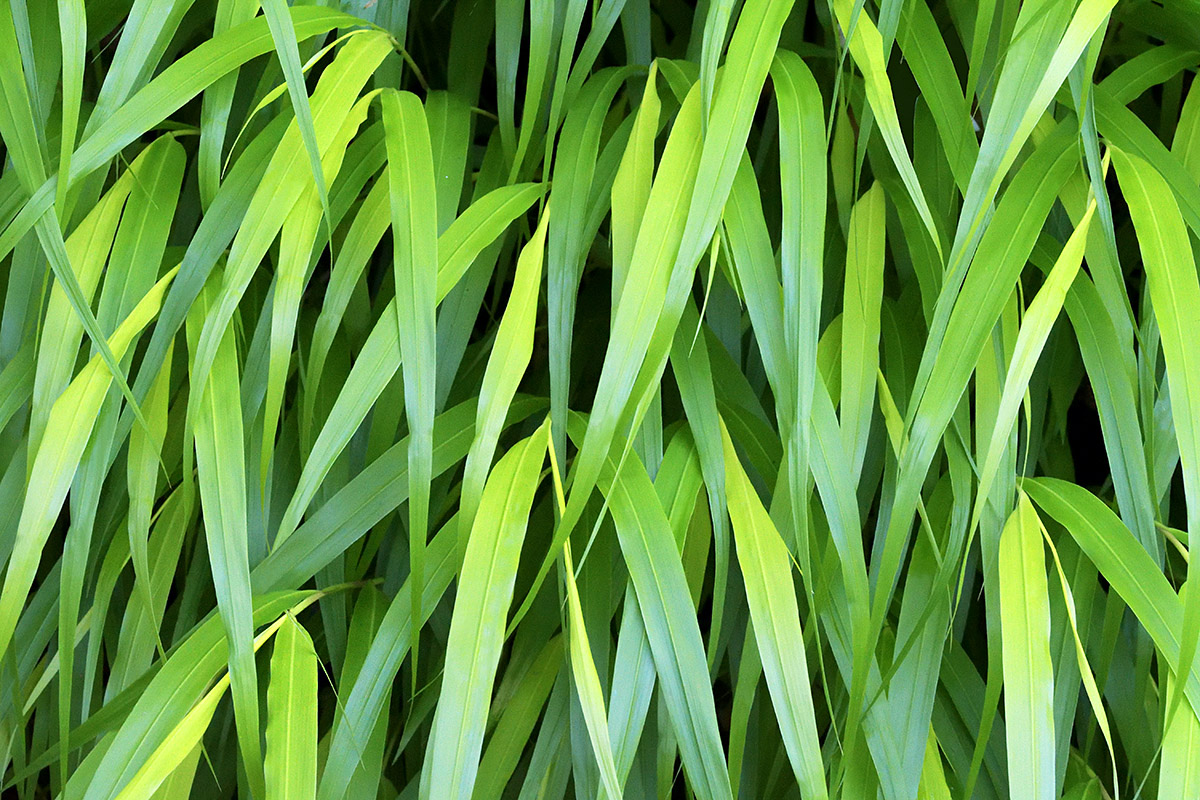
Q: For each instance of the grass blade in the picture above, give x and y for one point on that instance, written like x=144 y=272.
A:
x=414 y=234
x=477 y=629
x=291 y=755
x=766 y=568
x=1029 y=677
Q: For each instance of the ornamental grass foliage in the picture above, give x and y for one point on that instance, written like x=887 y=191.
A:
x=477 y=399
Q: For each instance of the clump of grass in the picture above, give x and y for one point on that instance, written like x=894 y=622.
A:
x=479 y=400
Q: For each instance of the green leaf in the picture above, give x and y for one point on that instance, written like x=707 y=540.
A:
x=68 y=428
x=414 y=237
x=1175 y=296
x=283 y=33
x=291 y=755
x=477 y=625
x=221 y=473
x=657 y=574
x=766 y=568
x=506 y=366
x=1028 y=675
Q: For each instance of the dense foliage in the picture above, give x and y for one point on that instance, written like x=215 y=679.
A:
x=479 y=399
